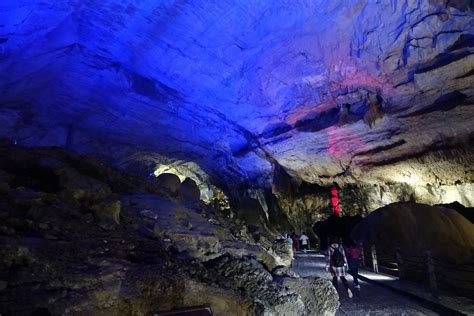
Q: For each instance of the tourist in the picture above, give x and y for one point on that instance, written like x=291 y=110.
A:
x=354 y=254
x=296 y=241
x=337 y=263
x=289 y=239
x=304 y=241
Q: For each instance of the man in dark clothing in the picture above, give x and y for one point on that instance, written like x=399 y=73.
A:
x=353 y=253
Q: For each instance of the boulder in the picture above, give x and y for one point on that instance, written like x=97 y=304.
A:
x=198 y=246
x=190 y=191
x=107 y=213
x=418 y=228
x=278 y=255
x=467 y=212
x=292 y=306
x=246 y=273
x=269 y=260
x=80 y=187
x=221 y=301
x=282 y=271
x=169 y=183
x=318 y=295
x=284 y=251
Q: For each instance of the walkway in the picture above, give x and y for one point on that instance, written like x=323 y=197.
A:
x=444 y=303
x=371 y=300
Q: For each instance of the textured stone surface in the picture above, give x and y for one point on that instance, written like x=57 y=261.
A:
x=284 y=250
x=319 y=295
x=376 y=96
x=107 y=213
x=124 y=251
x=238 y=88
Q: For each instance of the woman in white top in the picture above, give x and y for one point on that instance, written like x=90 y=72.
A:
x=304 y=241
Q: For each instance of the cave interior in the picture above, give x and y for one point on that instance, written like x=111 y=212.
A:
x=186 y=139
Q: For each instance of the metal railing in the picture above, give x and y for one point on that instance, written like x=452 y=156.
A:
x=434 y=271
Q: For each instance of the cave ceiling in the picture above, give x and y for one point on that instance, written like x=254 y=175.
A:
x=330 y=90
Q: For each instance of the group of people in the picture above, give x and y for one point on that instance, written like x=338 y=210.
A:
x=299 y=242
x=341 y=260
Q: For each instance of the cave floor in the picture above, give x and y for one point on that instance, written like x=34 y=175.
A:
x=371 y=299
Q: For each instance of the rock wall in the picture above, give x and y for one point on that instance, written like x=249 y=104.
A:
x=298 y=206
x=365 y=198
x=80 y=238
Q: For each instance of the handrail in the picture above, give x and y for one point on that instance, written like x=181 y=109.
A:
x=435 y=267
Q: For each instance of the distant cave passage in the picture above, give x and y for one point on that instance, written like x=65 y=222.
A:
x=335 y=226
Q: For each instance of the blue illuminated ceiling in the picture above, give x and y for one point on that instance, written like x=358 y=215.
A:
x=237 y=86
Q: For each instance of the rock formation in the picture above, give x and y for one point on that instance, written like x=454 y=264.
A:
x=80 y=238
x=416 y=229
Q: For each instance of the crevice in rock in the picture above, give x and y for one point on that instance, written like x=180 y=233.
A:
x=275 y=130
x=467 y=74
x=441 y=147
x=317 y=122
x=444 y=103
x=441 y=60
x=464 y=41
x=379 y=149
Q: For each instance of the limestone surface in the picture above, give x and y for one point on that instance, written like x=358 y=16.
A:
x=109 y=243
x=343 y=91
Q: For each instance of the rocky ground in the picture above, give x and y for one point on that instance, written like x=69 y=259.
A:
x=79 y=238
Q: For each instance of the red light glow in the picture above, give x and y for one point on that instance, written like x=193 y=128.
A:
x=335 y=201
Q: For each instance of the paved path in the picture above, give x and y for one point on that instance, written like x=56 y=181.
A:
x=370 y=300
x=445 y=303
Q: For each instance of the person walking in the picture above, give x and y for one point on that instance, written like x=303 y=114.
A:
x=354 y=255
x=296 y=241
x=304 y=242
x=336 y=263
x=290 y=241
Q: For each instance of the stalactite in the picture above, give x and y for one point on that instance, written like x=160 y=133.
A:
x=374 y=111
x=344 y=114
